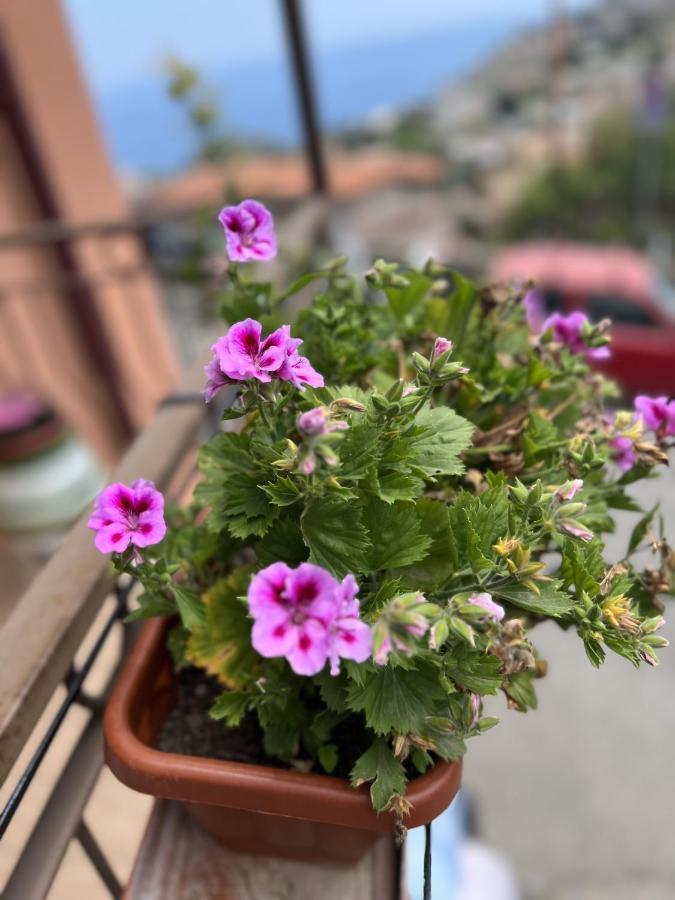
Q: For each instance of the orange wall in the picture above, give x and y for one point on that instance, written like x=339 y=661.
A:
x=40 y=342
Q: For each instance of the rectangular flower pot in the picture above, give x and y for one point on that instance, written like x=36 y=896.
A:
x=249 y=808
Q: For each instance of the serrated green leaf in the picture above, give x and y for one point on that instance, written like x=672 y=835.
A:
x=394 y=534
x=379 y=765
x=441 y=438
x=438 y=564
x=230 y=706
x=395 y=699
x=473 y=672
x=282 y=492
x=221 y=642
x=335 y=535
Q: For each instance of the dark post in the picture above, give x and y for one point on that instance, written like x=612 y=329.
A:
x=305 y=94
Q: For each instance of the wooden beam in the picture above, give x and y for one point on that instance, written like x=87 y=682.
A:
x=177 y=859
x=39 y=639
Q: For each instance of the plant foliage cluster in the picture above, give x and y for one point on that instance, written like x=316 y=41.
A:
x=451 y=478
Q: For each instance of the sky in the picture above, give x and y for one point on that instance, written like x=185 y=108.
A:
x=121 y=41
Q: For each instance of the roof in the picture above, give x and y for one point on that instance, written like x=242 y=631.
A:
x=286 y=177
x=576 y=267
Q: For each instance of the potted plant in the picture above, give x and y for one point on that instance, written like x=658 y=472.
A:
x=373 y=539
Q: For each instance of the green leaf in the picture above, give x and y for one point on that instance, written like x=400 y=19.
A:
x=583 y=567
x=550 y=601
x=520 y=688
x=396 y=699
x=393 y=486
x=151 y=605
x=282 y=492
x=640 y=531
x=230 y=706
x=358 y=450
x=473 y=672
x=436 y=448
x=437 y=565
x=402 y=300
x=190 y=607
x=395 y=537
x=450 y=317
x=221 y=642
x=335 y=535
x=379 y=765
x=328 y=757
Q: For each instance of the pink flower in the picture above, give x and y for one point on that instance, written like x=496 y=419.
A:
x=568 y=330
x=485 y=601
x=441 y=345
x=249 y=231
x=297 y=369
x=382 y=653
x=535 y=310
x=475 y=708
x=576 y=529
x=623 y=452
x=317 y=422
x=243 y=354
x=216 y=378
x=128 y=515
x=308 y=617
x=569 y=489
x=349 y=637
x=658 y=413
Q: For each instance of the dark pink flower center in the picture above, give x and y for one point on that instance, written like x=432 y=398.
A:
x=304 y=643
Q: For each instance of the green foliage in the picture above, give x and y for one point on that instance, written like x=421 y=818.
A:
x=443 y=491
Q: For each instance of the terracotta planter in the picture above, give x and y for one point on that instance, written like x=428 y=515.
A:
x=249 y=808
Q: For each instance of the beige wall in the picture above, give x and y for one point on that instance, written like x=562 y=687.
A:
x=41 y=341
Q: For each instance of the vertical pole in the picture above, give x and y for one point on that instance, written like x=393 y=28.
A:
x=305 y=93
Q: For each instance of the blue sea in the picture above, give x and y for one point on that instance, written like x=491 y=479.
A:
x=147 y=133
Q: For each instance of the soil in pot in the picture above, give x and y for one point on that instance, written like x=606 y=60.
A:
x=189 y=729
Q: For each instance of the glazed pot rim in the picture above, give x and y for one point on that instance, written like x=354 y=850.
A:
x=239 y=785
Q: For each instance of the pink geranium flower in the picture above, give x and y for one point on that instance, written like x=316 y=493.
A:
x=658 y=413
x=249 y=231
x=349 y=637
x=215 y=378
x=576 y=529
x=306 y=616
x=535 y=310
x=242 y=353
x=568 y=490
x=623 y=452
x=441 y=345
x=485 y=601
x=125 y=516
x=568 y=330
x=297 y=369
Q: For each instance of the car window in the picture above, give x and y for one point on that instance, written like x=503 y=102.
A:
x=553 y=300
x=620 y=310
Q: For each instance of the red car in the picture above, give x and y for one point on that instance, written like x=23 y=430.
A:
x=605 y=283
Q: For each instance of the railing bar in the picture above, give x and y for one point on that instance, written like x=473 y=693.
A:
x=98 y=860
x=305 y=93
x=26 y=778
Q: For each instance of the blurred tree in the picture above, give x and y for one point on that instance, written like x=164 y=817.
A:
x=597 y=198
x=200 y=103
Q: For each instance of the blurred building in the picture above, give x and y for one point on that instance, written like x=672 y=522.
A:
x=80 y=313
